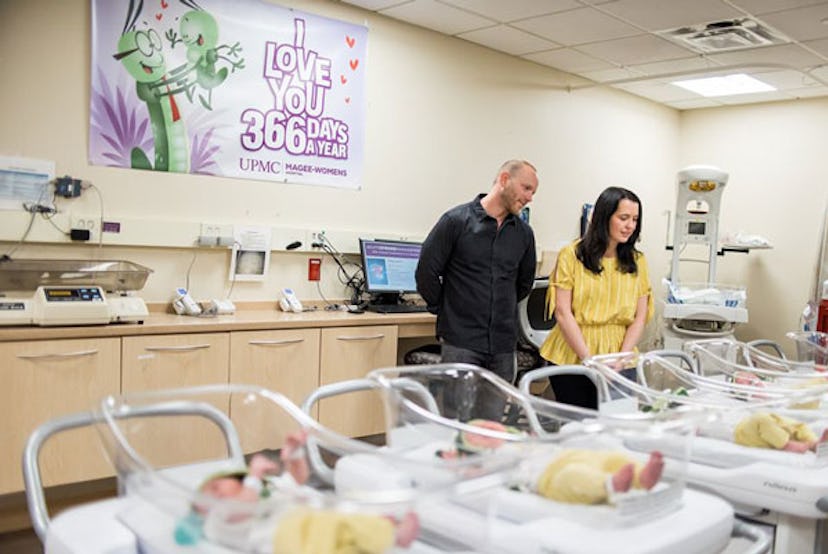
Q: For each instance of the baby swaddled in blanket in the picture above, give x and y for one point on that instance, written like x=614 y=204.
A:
x=769 y=430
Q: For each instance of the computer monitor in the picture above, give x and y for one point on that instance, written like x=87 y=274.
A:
x=389 y=266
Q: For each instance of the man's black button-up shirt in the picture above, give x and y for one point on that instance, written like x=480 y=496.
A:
x=472 y=275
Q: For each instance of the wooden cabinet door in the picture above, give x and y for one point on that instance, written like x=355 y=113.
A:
x=284 y=361
x=350 y=353
x=176 y=361
x=43 y=380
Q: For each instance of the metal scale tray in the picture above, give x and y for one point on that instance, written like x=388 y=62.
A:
x=111 y=275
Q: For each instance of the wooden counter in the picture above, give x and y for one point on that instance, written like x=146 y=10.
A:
x=409 y=325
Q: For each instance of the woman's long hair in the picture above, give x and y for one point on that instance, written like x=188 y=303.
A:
x=596 y=239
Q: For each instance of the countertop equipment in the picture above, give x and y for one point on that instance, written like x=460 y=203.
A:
x=71 y=292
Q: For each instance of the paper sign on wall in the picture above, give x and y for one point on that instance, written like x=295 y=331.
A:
x=251 y=254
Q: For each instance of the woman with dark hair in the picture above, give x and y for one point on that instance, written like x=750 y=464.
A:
x=600 y=294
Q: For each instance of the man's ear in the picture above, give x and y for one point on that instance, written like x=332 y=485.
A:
x=503 y=178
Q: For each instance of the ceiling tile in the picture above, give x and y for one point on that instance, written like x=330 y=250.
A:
x=810 y=92
x=635 y=50
x=374 y=5
x=820 y=73
x=759 y=7
x=689 y=66
x=785 y=80
x=508 y=39
x=801 y=23
x=505 y=12
x=577 y=26
x=753 y=98
x=615 y=40
x=694 y=104
x=820 y=46
x=569 y=60
x=653 y=15
x=786 y=54
x=614 y=74
x=660 y=92
x=439 y=17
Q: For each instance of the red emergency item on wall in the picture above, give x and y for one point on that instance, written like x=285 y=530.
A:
x=314 y=269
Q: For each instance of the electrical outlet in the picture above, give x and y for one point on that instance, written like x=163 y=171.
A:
x=83 y=222
x=216 y=234
x=317 y=238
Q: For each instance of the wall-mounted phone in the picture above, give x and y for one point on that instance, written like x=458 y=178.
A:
x=183 y=303
x=289 y=303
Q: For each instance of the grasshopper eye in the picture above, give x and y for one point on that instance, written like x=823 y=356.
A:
x=143 y=41
x=155 y=40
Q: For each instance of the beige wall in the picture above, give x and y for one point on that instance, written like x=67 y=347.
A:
x=775 y=154
x=442 y=115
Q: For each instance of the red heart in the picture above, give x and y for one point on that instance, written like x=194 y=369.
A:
x=350 y=41
x=164 y=4
x=158 y=16
x=354 y=64
x=347 y=99
x=343 y=79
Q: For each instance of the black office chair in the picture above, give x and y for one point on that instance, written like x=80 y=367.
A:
x=533 y=327
x=532 y=322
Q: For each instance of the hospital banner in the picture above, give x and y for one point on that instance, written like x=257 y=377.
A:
x=235 y=88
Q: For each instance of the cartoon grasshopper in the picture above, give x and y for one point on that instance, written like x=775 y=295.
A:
x=140 y=53
x=199 y=32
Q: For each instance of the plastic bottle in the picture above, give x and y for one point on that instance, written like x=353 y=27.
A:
x=822 y=318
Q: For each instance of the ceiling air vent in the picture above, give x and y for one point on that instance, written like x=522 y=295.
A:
x=727 y=35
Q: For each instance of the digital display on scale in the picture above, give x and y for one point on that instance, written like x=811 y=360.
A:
x=75 y=294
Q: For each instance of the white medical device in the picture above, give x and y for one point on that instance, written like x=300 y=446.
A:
x=183 y=303
x=699 y=310
x=71 y=292
x=289 y=303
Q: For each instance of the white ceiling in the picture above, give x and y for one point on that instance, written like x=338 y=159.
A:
x=617 y=42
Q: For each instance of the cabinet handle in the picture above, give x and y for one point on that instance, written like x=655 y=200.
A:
x=186 y=348
x=274 y=342
x=77 y=354
x=366 y=337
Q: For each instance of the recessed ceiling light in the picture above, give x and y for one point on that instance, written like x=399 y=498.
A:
x=726 y=85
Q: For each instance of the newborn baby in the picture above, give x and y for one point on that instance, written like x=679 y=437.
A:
x=315 y=531
x=594 y=476
x=769 y=430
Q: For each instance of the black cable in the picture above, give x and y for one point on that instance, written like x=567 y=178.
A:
x=353 y=281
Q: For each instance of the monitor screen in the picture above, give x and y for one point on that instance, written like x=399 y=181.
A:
x=389 y=265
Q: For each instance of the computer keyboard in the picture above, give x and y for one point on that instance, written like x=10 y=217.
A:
x=395 y=308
